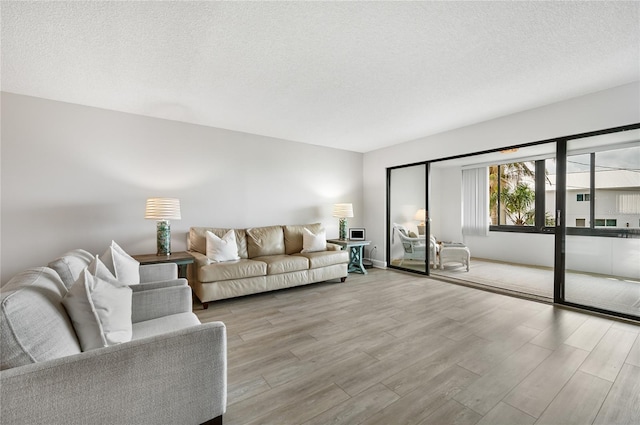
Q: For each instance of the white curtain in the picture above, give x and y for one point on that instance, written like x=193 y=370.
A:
x=475 y=201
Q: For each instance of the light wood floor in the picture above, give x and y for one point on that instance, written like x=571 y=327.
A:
x=392 y=348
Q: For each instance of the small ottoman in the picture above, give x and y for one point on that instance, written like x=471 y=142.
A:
x=454 y=252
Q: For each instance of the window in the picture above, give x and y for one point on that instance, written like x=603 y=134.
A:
x=522 y=195
x=512 y=194
x=606 y=184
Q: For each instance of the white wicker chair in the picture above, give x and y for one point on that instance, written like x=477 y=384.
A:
x=415 y=247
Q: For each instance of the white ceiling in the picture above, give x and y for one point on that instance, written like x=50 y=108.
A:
x=350 y=75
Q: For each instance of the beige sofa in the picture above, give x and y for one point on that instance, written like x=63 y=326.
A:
x=270 y=259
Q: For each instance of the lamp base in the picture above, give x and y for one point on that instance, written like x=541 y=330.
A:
x=163 y=237
x=343 y=229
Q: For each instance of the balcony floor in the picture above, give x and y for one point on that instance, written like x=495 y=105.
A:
x=607 y=292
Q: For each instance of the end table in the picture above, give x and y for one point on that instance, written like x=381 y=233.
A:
x=182 y=259
x=355 y=253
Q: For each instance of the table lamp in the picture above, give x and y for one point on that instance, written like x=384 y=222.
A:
x=163 y=210
x=343 y=211
x=421 y=216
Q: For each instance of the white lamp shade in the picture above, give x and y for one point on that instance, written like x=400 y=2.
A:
x=421 y=215
x=162 y=209
x=343 y=210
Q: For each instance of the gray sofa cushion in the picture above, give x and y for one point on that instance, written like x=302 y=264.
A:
x=70 y=265
x=34 y=326
x=163 y=325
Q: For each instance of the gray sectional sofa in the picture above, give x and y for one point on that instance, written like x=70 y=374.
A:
x=270 y=258
x=173 y=371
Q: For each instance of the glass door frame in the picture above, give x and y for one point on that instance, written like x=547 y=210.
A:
x=389 y=226
x=561 y=225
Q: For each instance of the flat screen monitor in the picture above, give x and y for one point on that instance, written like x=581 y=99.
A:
x=356 y=234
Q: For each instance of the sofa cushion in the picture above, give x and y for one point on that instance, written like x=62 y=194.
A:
x=314 y=242
x=99 y=307
x=293 y=236
x=34 y=326
x=232 y=270
x=198 y=243
x=222 y=249
x=325 y=258
x=277 y=264
x=70 y=265
x=263 y=241
x=165 y=324
x=124 y=267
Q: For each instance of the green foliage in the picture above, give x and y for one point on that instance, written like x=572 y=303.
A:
x=518 y=204
x=511 y=200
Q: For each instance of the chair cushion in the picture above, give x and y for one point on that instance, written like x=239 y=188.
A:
x=70 y=265
x=34 y=325
x=263 y=241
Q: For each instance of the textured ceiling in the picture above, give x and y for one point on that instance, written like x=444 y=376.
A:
x=350 y=75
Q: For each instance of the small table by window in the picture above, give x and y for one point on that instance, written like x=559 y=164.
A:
x=355 y=253
x=182 y=259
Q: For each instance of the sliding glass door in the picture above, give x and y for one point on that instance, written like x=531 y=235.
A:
x=557 y=220
x=602 y=220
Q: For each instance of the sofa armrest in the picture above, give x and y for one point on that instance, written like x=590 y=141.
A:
x=159 y=284
x=175 y=378
x=158 y=272
x=333 y=247
x=199 y=259
x=154 y=303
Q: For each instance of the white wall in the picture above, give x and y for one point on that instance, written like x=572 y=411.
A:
x=610 y=108
x=613 y=256
x=78 y=177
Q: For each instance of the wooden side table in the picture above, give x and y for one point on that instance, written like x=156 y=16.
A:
x=355 y=253
x=182 y=259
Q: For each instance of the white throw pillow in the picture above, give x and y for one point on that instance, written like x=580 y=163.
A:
x=220 y=250
x=99 y=307
x=312 y=242
x=123 y=266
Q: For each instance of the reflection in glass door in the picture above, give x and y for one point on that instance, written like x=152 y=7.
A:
x=602 y=246
x=408 y=225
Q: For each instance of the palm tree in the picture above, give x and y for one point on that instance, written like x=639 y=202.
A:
x=510 y=174
x=517 y=204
